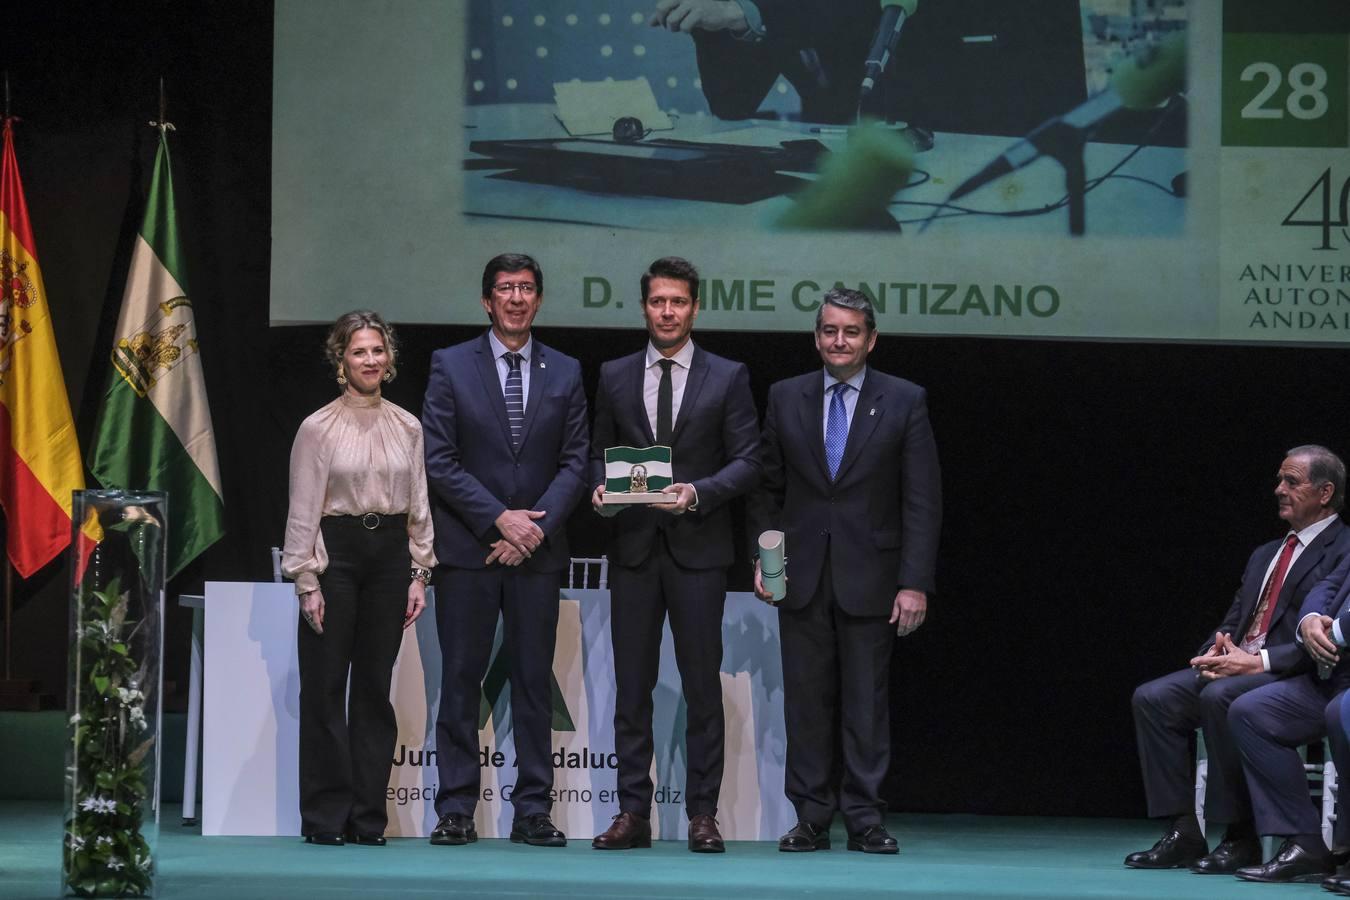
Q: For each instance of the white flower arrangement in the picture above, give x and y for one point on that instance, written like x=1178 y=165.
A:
x=99 y=805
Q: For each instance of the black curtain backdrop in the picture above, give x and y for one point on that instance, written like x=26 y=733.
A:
x=1101 y=498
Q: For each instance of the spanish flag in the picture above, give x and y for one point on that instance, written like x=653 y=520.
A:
x=39 y=456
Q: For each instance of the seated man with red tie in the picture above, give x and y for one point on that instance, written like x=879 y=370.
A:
x=1253 y=646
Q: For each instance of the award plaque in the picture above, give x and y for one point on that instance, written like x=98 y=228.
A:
x=635 y=475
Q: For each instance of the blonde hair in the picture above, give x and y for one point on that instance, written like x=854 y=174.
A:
x=348 y=324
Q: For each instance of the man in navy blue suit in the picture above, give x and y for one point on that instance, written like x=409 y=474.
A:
x=672 y=558
x=1270 y=723
x=1326 y=637
x=1253 y=646
x=506 y=447
x=851 y=476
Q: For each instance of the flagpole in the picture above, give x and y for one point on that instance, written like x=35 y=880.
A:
x=9 y=597
x=9 y=567
x=163 y=123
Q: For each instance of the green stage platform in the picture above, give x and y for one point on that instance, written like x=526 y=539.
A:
x=940 y=856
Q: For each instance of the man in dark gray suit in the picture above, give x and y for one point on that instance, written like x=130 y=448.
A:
x=851 y=476
x=671 y=558
x=1253 y=646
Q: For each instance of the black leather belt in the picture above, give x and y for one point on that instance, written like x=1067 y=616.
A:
x=371 y=521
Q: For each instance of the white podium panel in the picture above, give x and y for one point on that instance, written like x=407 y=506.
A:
x=252 y=686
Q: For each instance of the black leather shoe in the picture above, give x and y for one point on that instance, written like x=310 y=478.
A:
x=537 y=830
x=1290 y=864
x=325 y=838
x=1339 y=881
x=804 y=838
x=1174 y=850
x=628 y=831
x=873 y=839
x=704 y=837
x=454 y=829
x=1228 y=857
x=366 y=840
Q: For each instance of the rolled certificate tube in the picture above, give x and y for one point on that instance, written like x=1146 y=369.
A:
x=772 y=563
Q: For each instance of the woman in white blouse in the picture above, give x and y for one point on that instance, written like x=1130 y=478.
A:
x=359 y=547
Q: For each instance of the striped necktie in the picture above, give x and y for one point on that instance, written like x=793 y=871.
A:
x=515 y=398
x=836 y=429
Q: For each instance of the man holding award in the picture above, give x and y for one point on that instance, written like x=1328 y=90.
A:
x=851 y=478
x=678 y=426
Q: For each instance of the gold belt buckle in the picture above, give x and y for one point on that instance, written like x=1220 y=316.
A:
x=370 y=521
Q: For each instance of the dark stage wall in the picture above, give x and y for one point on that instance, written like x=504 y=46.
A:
x=1101 y=498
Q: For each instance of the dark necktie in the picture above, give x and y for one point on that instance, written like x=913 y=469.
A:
x=515 y=398
x=836 y=429
x=1265 y=610
x=665 y=403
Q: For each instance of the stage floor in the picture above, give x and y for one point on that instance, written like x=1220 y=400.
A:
x=940 y=856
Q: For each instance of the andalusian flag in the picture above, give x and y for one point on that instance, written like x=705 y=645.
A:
x=154 y=426
x=39 y=456
x=622 y=463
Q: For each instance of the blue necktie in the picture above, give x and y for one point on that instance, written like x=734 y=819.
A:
x=515 y=398
x=836 y=429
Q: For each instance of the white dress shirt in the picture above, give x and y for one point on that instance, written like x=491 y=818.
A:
x=499 y=351
x=1305 y=537
x=679 y=376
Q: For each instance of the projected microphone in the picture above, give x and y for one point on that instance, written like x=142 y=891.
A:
x=1142 y=82
x=893 y=16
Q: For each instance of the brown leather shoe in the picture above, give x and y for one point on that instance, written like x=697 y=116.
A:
x=704 y=836
x=629 y=831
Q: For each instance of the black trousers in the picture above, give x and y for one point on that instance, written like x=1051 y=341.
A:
x=694 y=599
x=1167 y=711
x=836 y=688
x=347 y=743
x=467 y=604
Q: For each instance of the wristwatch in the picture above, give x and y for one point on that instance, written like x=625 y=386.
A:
x=422 y=575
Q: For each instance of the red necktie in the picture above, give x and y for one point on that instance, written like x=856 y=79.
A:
x=1265 y=610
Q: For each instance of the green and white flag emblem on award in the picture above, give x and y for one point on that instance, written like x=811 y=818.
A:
x=637 y=474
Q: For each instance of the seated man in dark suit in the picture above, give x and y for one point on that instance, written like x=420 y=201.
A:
x=1325 y=637
x=1270 y=724
x=1253 y=646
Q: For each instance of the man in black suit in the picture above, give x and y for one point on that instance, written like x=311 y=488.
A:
x=671 y=558
x=1253 y=646
x=851 y=476
x=506 y=446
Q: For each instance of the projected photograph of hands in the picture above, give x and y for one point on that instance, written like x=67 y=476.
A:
x=1048 y=117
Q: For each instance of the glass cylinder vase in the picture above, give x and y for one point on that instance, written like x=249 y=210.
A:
x=116 y=647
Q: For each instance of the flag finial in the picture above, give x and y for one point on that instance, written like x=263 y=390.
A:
x=162 y=123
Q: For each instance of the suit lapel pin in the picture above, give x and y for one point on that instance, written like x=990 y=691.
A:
x=541 y=364
x=872 y=411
